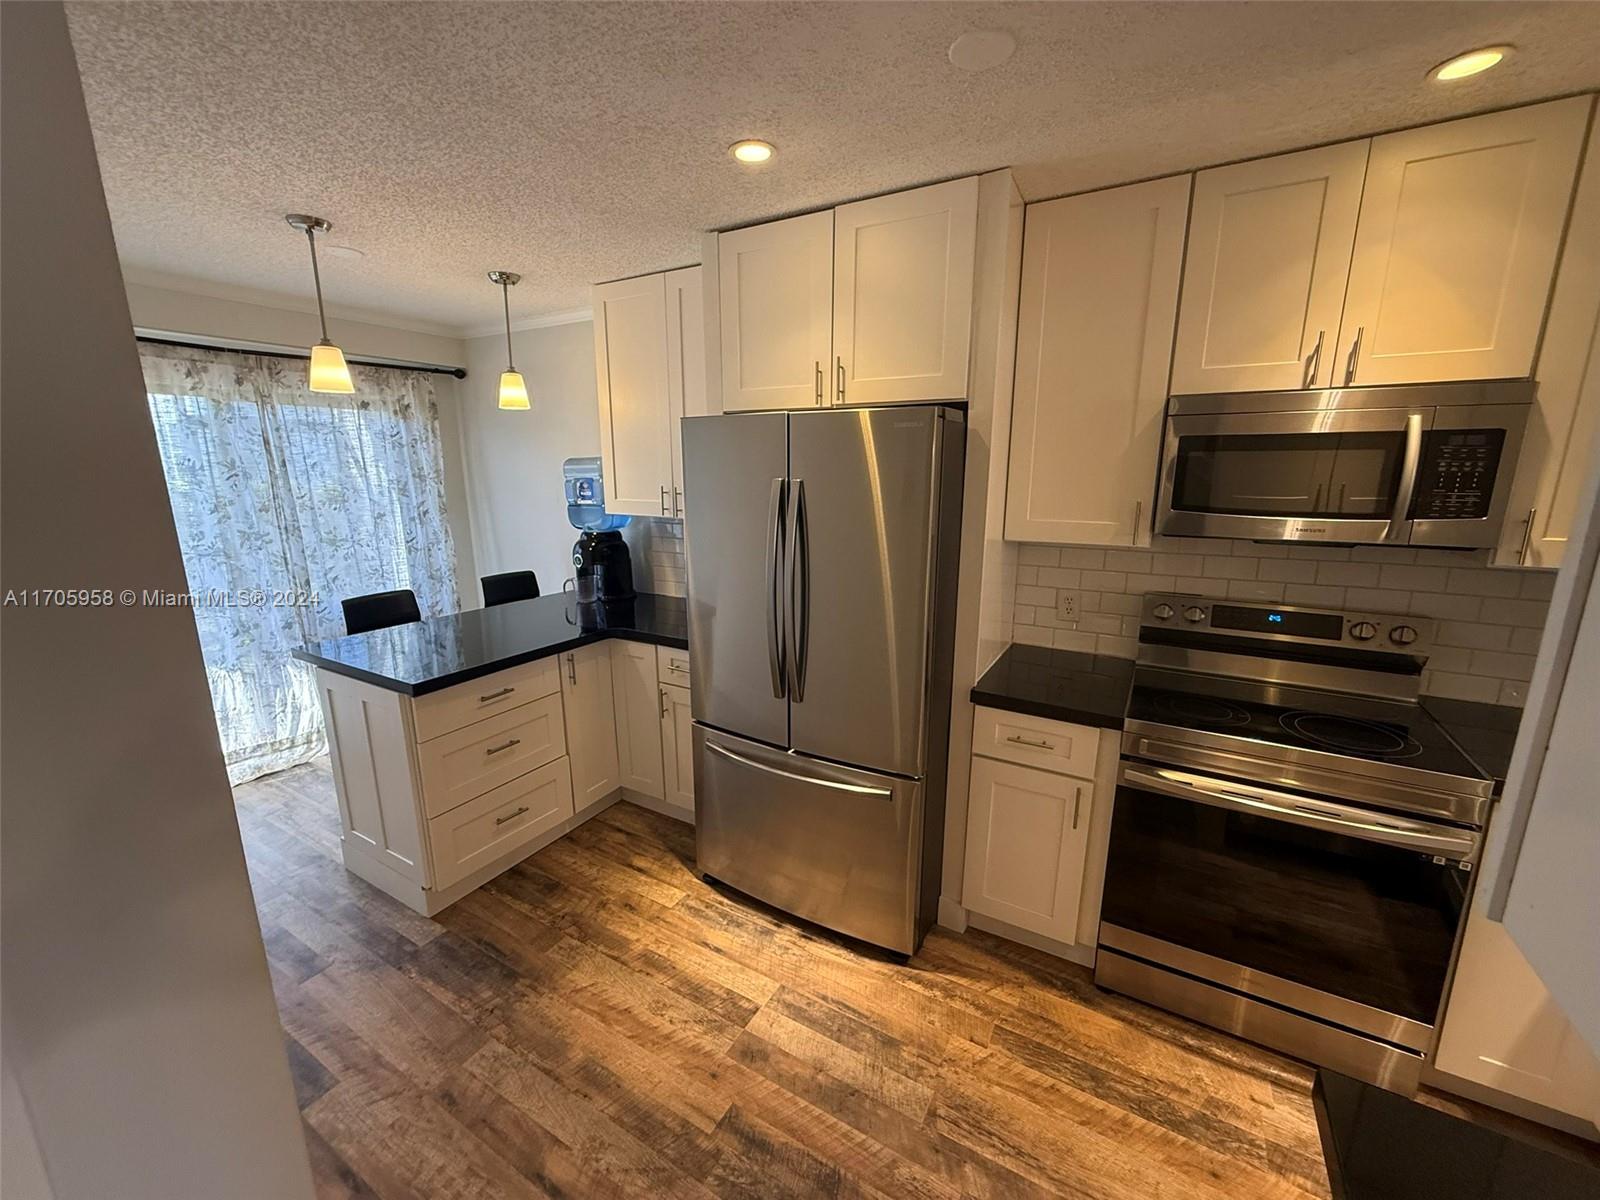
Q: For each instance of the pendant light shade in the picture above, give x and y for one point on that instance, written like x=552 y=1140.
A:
x=328 y=372
x=513 y=388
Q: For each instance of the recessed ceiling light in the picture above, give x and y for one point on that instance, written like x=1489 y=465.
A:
x=752 y=152
x=1473 y=62
x=982 y=49
x=345 y=252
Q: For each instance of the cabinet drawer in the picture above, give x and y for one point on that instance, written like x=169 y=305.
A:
x=468 y=762
x=1035 y=742
x=497 y=822
x=440 y=712
x=672 y=666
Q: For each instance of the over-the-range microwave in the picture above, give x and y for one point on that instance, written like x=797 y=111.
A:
x=1417 y=465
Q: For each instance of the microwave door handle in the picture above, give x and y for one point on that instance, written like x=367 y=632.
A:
x=774 y=577
x=1399 y=524
x=1299 y=810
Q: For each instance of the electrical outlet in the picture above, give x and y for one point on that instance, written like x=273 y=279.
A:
x=1066 y=606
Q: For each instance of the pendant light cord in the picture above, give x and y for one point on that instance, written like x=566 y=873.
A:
x=316 y=278
x=505 y=293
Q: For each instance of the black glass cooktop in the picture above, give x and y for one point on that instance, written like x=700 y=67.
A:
x=1302 y=719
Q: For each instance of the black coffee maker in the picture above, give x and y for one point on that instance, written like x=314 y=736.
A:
x=603 y=571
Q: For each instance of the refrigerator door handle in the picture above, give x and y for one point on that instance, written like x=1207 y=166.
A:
x=775 y=556
x=799 y=591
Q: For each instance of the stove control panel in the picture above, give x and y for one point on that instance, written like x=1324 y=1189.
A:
x=1390 y=633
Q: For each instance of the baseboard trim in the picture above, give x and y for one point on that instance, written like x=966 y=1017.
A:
x=658 y=805
x=1082 y=955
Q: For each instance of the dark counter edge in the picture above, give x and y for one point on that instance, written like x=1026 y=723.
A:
x=584 y=637
x=1058 y=685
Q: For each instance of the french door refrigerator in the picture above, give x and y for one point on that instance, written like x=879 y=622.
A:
x=822 y=552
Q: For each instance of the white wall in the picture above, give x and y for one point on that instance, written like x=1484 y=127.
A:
x=139 y=1025
x=189 y=308
x=519 y=513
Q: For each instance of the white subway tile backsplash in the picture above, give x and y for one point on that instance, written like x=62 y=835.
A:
x=1489 y=619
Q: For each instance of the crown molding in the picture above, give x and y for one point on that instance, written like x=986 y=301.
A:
x=570 y=317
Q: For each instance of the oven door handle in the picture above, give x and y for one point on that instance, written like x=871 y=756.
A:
x=1302 y=810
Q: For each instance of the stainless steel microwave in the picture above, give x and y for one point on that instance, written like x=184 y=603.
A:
x=1419 y=465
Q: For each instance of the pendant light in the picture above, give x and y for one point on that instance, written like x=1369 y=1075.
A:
x=328 y=371
x=513 y=391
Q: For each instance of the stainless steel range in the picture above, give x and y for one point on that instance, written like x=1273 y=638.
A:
x=1293 y=838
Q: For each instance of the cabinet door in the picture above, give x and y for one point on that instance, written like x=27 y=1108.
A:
x=677 y=747
x=1563 y=431
x=686 y=365
x=1503 y=1030
x=902 y=294
x=776 y=284
x=1027 y=834
x=1264 y=278
x=638 y=711
x=587 y=696
x=1094 y=342
x=630 y=356
x=1460 y=225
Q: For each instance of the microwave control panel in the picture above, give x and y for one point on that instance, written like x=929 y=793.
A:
x=1455 y=477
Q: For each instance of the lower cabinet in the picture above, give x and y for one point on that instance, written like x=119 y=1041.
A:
x=588 y=698
x=1027 y=837
x=677 y=747
x=638 y=709
x=483 y=830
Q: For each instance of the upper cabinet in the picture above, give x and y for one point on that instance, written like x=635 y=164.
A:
x=1563 y=433
x=650 y=371
x=1094 y=341
x=1460 y=226
x=1419 y=256
x=902 y=294
x=777 y=313
x=870 y=303
x=1269 y=253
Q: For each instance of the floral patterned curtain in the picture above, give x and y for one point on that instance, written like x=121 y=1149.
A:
x=286 y=501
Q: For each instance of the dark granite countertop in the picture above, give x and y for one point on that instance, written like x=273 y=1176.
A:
x=1381 y=1146
x=1060 y=685
x=1486 y=733
x=439 y=652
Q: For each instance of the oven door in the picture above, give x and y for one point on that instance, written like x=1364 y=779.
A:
x=1344 y=913
x=1323 y=475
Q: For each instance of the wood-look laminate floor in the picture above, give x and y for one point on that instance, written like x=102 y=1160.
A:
x=599 y=1022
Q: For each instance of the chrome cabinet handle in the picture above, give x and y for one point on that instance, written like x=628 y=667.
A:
x=1400 y=515
x=1022 y=741
x=1314 y=360
x=662 y=693
x=840 y=398
x=676 y=669
x=1138 y=514
x=859 y=789
x=1527 y=539
x=505 y=691
x=819 y=383
x=572 y=669
x=1355 y=353
x=503 y=746
x=677 y=502
x=664 y=500
x=511 y=816
x=1077 y=803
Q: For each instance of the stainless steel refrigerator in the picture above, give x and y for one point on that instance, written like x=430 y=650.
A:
x=822 y=553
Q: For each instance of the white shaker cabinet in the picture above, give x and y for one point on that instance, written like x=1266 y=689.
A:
x=902 y=294
x=587 y=700
x=1094 y=342
x=630 y=350
x=686 y=366
x=776 y=301
x=638 y=715
x=1264 y=281
x=677 y=749
x=1460 y=226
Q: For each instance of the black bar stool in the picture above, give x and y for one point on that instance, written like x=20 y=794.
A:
x=380 y=610
x=512 y=585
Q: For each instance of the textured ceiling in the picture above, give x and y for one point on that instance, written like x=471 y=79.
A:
x=586 y=141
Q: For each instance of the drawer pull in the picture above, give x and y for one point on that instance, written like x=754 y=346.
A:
x=681 y=670
x=1022 y=741
x=504 y=746
x=511 y=816
x=505 y=691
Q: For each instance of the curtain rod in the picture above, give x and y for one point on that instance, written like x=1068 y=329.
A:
x=425 y=368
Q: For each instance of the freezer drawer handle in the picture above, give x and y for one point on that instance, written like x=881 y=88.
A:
x=858 y=788
x=1298 y=810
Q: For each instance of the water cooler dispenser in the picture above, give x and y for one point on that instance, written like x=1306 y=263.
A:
x=602 y=569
